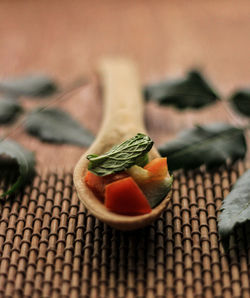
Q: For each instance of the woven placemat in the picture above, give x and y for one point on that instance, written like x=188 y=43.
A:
x=50 y=245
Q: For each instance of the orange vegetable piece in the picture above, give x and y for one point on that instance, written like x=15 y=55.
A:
x=158 y=167
x=97 y=183
x=125 y=197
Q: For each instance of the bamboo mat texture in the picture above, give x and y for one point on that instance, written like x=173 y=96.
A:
x=50 y=245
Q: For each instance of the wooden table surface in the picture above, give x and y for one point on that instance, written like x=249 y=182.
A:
x=65 y=39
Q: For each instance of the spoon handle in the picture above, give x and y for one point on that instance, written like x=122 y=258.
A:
x=123 y=101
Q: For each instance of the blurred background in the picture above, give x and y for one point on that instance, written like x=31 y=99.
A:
x=65 y=39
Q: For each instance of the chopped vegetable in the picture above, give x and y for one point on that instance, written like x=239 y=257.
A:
x=156 y=190
x=118 y=178
x=139 y=174
x=153 y=179
x=98 y=183
x=158 y=167
x=125 y=197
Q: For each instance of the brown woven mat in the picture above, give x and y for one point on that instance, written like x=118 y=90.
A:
x=51 y=246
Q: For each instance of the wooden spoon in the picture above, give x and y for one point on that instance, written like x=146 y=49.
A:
x=123 y=118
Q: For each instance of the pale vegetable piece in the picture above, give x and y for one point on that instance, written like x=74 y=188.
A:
x=156 y=191
x=139 y=174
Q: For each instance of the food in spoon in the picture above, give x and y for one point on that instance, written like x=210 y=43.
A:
x=125 y=197
x=125 y=181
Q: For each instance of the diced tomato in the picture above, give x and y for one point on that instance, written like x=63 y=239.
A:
x=158 y=167
x=97 y=183
x=125 y=197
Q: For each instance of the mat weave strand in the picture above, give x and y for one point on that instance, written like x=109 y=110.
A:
x=50 y=246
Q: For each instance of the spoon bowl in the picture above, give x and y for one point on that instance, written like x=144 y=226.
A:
x=123 y=118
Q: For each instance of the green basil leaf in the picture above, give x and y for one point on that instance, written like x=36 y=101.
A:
x=9 y=109
x=241 y=101
x=192 y=91
x=120 y=157
x=211 y=144
x=24 y=158
x=55 y=125
x=235 y=208
x=141 y=161
x=36 y=85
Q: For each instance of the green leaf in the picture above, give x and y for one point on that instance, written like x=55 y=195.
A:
x=235 y=208
x=9 y=109
x=211 y=144
x=36 y=85
x=241 y=101
x=120 y=157
x=142 y=160
x=55 y=125
x=24 y=158
x=192 y=91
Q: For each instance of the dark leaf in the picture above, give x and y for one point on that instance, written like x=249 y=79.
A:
x=193 y=91
x=24 y=158
x=29 y=85
x=120 y=157
x=55 y=125
x=142 y=160
x=241 y=101
x=235 y=208
x=9 y=109
x=211 y=144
